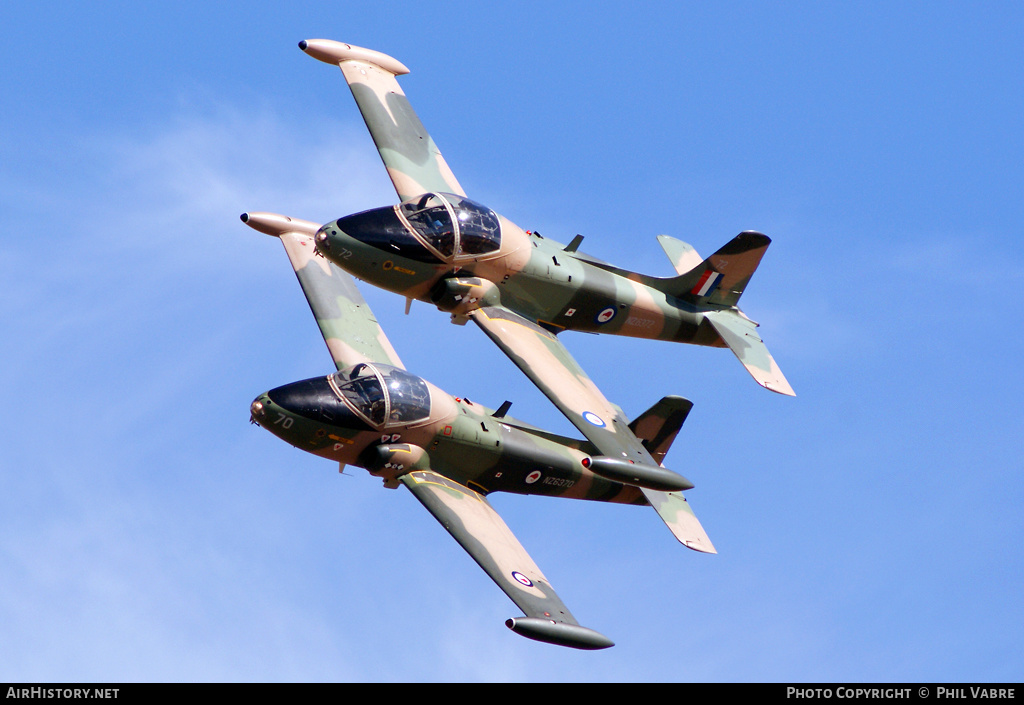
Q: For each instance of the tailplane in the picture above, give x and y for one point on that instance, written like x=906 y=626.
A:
x=675 y=511
x=682 y=254
x=740 y=334
x=716 y=285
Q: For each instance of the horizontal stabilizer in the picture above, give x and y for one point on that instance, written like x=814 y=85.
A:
x=740 y=334
x=675 y=511
x=681 y=254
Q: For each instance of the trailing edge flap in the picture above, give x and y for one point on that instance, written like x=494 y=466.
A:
x=740 y=334
x=543 y=358
x=470 y=519
x=413 y=161
x=675 y=511
x=681 y=254
x=348 y=325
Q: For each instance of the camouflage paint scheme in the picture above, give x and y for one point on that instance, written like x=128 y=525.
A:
x=543 y=281
x=451 y=452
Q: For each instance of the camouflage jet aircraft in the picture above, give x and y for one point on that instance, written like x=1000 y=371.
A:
x=451 y=452
x=437 y=245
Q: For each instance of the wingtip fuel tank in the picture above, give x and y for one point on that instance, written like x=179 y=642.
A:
x=560 y=633
x=651 y=477
x=332 y=52
x=277 y=225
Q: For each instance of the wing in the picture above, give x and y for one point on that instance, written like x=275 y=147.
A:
x=471 y=520
x=348 y=325
x=547 y=363
x=543 y=358
x=740 y=334
x=413 y=161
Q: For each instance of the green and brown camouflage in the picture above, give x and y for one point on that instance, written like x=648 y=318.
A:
x=437 y=234
x=348 y=326
x=451 y=452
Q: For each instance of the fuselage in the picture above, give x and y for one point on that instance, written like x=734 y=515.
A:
x=412 y=248
x=391 y=422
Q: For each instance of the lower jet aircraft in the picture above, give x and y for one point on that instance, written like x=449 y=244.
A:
x=451 y=452
x=437 y=245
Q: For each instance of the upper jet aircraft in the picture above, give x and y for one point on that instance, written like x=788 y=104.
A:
x=439 y=246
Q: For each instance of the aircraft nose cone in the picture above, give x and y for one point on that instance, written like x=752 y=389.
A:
x=303 y=45
x=313 y=399
x=306 y=398
x=258 y=409
x=323 y=240
x=378 y=230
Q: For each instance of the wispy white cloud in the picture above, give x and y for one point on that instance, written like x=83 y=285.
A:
x=129 y=315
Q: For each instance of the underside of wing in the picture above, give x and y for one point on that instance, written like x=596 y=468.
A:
x=348 y=325
x=740 y=334
x=543 y=358
x=413 y=161
x=472 y=521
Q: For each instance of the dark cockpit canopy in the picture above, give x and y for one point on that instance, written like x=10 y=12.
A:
x=382 y=394
x=453 y=226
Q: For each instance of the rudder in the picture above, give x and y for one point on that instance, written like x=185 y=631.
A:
x=721 y=278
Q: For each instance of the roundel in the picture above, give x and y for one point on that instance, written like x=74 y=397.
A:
x=605 y=315
x=593 y=418
x=522 y=579
x=533 y=477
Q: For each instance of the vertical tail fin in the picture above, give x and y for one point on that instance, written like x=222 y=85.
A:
x=721 y=278
x=657 y=427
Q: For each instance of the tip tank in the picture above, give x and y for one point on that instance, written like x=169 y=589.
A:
x=572 y=635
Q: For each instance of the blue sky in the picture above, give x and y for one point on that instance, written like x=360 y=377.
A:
x=868 y=530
